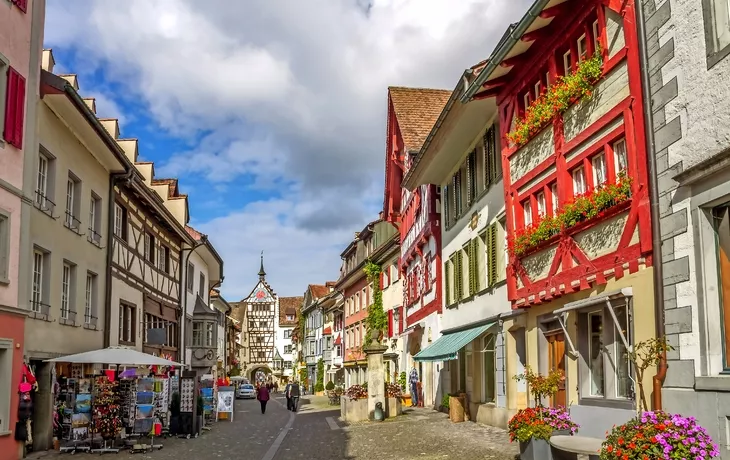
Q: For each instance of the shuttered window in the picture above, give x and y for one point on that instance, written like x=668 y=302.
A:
x=492 y=160
x=459 y=277
x=447 y=279
x=458 y=203
x=471 y=178
x=492 y=255
x=472 y=269
x=14 y=108
x=447 y=205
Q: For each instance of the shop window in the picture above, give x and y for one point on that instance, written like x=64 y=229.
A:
x=606 y=375
x=541 y=204
x=599 y=170
x=579 y=181
x=717 y=30
x=527 y=212
x=489 y=382
x=620 y=157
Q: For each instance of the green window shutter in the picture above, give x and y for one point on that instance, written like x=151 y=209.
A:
x=459 y=290
x=447 y=281
x=470 y=264
x=445 y=198
x=492 y=254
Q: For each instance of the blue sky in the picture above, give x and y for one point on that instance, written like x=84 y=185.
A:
x=271 y=114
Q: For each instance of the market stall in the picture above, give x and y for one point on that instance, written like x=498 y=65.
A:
x=98 y=409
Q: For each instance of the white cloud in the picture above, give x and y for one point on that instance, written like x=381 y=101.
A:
x=290 y=93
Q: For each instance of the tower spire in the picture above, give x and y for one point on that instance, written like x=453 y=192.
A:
x=262 y=273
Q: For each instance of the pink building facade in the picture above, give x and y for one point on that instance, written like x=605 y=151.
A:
x=21 y=36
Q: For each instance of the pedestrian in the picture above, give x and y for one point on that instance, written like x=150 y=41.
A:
x=263 y=396
x=413 y=380
x=288 y=396
x=294 y=395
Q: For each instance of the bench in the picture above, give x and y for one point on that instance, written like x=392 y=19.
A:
x=575 y=447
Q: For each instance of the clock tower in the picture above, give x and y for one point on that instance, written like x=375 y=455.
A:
x=260 y=325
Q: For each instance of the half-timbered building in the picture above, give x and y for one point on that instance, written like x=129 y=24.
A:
x=411 y=115
x=566 y=83
x=144 y=303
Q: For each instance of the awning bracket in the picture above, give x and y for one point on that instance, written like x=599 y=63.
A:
x=618 y=329
x=561 y=320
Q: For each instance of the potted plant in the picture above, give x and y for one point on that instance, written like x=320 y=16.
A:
x=658 y=434
x=175 y=413
x=406 y=398
x=445 y=404
x=532 y=427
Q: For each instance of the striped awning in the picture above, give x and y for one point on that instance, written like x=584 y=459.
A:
x=447 y=346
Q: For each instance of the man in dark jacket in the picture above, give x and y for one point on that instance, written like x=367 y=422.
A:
x=288 y=398
x=293 y=393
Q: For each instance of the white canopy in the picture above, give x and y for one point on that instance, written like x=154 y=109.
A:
x=122 y=356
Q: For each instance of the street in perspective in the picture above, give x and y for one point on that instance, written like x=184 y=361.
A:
x=392 y=229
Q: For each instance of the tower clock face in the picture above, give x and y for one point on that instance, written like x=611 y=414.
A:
x=260 y=295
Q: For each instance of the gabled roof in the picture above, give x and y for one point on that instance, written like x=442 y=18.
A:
x=416 y=110
x=318 y=290
x=289 y=306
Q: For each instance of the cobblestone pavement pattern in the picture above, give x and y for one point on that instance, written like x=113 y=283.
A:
x=316 y=433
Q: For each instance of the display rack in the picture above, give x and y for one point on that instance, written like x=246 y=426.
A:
x=106 y=411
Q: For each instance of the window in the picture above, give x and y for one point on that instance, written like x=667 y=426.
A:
x=471 y=177
x=554 y=199
x=599 y=170
x=90 y=299
x=38 y=294
x=44 y=183
x=490 y=242
x=287 y=334
x=619 y=154
x=149 y=247
x=457 y=184
x=189 y=280
x=14 y=107
x=290 y=317
x=596 y=33
x=489 y=380
x=541 y=204
x=567 y=63
x=607 y=374
x=127 y=323
x=721 y=222
x=579 y=181
x=73 y=186
x=163 y=258
x=197 y=333
x=538 y=90
x=582 y=48
x=201 y=290
x=527 y=212
x=492 y=158
x=120 y=221
x=717 y=30
x=4 y=246
x=95 y=219
x=209 y=334
x=526 y=101
x=67 y=279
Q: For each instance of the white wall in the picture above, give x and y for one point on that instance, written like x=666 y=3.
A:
x=190 y=297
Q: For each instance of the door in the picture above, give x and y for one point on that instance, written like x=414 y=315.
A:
x=556 y=361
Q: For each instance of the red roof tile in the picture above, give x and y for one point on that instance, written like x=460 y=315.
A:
x=416 y=110
x=289 y=306
x=319 y=290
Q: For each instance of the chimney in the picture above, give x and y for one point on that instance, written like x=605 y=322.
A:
x=47 y=61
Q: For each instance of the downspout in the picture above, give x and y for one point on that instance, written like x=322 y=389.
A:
x=661 y=374
x=114 y=178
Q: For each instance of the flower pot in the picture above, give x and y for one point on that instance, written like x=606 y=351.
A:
x=535 y=449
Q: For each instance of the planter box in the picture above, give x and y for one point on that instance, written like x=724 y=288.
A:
x=456 y=409
x=393 y=407
x=354 y=410
x=319 y=393
x=535 y=449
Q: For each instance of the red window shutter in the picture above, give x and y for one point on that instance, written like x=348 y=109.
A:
x=390 y=323
x=400 y=319
x=382 y=284
x=21 y=4
x=14 y=108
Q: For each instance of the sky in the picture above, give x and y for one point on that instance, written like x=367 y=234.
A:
x=271 y=113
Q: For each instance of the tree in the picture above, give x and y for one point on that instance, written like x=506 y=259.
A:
x=319 y=386
x=644 y=355
x=377 y=320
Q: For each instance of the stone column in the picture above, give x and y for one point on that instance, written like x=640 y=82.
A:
x=375 y=376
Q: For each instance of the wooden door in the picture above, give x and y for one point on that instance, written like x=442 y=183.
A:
x=556 y=361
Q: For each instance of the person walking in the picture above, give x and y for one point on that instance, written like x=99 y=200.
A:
x=413 y=380
x=288 y=396
x=294 y=395
x=263 y=396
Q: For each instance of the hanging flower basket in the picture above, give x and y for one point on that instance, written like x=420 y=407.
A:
x=557 y=99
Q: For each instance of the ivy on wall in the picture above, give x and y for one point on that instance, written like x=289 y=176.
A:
x=376 y=321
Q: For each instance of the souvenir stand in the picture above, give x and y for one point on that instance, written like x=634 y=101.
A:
x=209 y=393
x=189 y=423
x=94 y=413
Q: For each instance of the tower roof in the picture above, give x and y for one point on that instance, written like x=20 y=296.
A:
x=262 y=272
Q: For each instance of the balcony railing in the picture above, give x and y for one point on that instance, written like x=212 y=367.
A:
x=72 y=223
x=44 y=203
x=68 y=318
x=93 y=237
x=40 y=310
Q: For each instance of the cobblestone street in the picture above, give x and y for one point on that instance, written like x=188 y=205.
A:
x=315 y=432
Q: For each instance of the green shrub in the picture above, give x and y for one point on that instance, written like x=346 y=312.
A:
x=330 y=386
x=445 y=402
x=319 y=387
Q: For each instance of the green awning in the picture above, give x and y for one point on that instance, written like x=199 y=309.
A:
x=447 y=346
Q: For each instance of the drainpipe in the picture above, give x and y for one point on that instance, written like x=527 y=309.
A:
x=661 y=374
x=114 y=179
x=184 y=288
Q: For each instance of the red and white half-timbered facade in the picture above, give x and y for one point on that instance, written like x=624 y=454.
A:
x=567 y=84
x=412 y=113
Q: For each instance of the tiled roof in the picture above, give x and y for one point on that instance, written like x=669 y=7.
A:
x=319 y=290
x=416 y=110
x=194 y=234
x=286 y=305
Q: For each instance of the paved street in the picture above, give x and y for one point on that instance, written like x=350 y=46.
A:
x=316 y=433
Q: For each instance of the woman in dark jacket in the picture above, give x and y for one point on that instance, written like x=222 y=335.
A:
x=263 y=396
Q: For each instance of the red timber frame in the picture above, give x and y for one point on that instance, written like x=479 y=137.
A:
x=395 y=169
x=545 y=57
